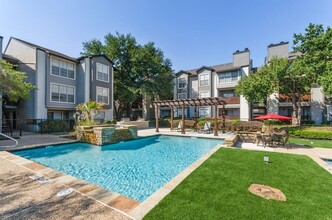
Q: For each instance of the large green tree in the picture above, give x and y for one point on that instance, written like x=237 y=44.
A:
x=13 y=83
x=140 y=70
x=294 y=77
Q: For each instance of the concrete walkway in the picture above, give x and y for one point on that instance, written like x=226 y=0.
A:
x=33 y=140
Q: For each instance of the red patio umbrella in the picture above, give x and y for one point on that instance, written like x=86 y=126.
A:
x=273 y=116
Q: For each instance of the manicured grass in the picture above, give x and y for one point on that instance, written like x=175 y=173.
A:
x=219 y=189
x=311 y=142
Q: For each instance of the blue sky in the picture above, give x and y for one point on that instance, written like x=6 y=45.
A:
x=191 y=33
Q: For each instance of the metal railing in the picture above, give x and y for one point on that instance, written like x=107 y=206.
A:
x=6 y=136
x=16 y=128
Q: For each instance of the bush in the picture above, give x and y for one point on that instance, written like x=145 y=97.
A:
x=272 y=122
x=111 y=122
x=310 y=134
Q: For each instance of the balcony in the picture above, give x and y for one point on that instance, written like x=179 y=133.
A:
x=304 y=98
x=232 y=100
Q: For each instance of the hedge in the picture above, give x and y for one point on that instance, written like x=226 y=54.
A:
x=311 y=134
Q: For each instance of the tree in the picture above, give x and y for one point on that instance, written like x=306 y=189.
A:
x=140 y=70
x=87 y=110
x=315 y=45
x=13 y=83
x=294 y=78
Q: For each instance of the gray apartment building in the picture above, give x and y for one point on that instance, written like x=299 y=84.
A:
x=221 y=80
x=62 y=81
x=215 y=81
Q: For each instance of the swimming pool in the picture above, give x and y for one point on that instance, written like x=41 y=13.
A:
x=135 y=169
x=329 y=162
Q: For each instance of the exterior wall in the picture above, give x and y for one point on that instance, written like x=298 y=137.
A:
x=59 y=80
x=317 y=104
x=207 y=88
x=241 y=58
x=40 y=94
x=81 y=82
x=244 y=105
x=94 y=83
x=27 y=56
x=193 y=93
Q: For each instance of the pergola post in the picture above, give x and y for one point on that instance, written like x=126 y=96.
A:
x=195 y=114
x=216 y=120
x=223 y=119
x=172 y=115
x=156 y=113
x=183 y=123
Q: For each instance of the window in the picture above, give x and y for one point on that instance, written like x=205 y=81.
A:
x=227 y=94
x=102 y=95
x=204 y=94
x=62 y=68
x=62 y=93
x=231 y=77
x=179 y=111
x=102 y=72
x=204 y=111
x=232 y=112
x=182 y=95
x=182 y=83
x=204 y=79
x=329 y=112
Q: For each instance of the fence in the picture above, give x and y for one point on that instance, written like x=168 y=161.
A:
x=15 y=128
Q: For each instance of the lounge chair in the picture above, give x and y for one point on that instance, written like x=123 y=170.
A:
x=207 y=128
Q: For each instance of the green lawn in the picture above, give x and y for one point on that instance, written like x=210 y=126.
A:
x=311 y=142
x=219 y=189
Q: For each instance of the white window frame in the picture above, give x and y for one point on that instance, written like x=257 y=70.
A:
x=58 y=84
x=204 y=75
x=181 y=93
x=62 y=60
x=108 y=72
x=108 y=94
x=204 y=96
x=230 y=76
x=179 y=83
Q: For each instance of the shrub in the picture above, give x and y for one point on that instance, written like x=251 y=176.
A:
x=310 y=134
x=49 y=126
x=272 y=122
x=249 y=126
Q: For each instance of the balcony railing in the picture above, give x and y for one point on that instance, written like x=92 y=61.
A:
x=232 y=100
x=304 y=98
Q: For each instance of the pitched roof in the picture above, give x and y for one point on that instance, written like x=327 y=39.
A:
x=10 y=58
x=46 y=50
x=100 y=55
x=217 y=68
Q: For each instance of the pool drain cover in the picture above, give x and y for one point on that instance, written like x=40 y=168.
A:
x=65 y=192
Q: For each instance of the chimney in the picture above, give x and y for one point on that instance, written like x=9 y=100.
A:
x=1 y=47
x=241 y=58
x=277 y=50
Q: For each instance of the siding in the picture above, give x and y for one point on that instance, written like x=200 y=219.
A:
x=94 y=82
x=59 y=80
x=27 y=57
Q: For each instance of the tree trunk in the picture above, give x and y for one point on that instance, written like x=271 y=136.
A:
x=299 y=110
x=295 y=111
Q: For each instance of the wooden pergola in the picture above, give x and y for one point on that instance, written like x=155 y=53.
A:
x=196 y=102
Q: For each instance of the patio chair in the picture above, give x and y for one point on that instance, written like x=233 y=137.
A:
x=207 y=128
x=281 y=138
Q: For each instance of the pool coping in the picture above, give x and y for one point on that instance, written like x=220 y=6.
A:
x=127 y=206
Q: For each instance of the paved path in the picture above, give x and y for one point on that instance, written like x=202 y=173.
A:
x=32 y=140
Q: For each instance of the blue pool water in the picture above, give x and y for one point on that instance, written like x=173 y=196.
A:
x=329 y=162
x=135 y=168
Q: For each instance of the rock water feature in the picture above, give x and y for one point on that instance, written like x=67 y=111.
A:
x=105 y=135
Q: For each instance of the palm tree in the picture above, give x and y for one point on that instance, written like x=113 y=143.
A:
x=88 y=109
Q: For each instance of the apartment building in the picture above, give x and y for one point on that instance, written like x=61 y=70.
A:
x=221 y=80
x=215 y=81
x=62 y=81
